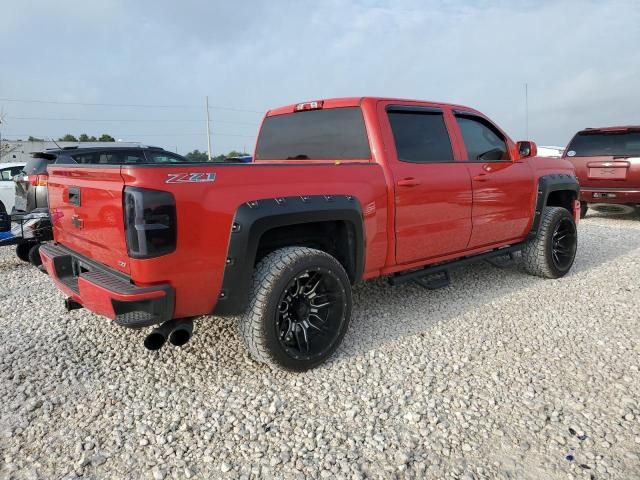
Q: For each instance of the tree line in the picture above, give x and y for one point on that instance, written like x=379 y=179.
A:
x=198 y=156
x=105 y=137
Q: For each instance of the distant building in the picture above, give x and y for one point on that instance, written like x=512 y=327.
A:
x=20 y=151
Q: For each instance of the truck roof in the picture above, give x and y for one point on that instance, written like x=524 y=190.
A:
x=94 y=148
x=357 y=101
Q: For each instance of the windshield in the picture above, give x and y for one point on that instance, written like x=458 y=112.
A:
x=336 y=134
x=616 y=144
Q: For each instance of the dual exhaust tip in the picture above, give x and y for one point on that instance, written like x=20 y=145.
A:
x=178 y=332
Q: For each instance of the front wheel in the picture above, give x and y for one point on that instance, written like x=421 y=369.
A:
x=299 y=308
x=552 y=252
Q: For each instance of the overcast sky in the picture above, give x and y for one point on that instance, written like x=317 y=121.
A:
x=580 y=59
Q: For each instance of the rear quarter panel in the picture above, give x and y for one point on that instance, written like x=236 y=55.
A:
x=205 y=213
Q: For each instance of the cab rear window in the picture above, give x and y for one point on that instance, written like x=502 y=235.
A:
x=616 y=144
x=331 y=134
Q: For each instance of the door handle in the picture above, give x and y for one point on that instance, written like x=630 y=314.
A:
x=482 y=177
x=408 y=182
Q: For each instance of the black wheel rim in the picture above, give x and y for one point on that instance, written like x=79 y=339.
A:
x=563 y=244
x=311 y=314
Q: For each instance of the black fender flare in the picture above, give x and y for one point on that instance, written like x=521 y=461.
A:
x=546 y=185
x=252 y=219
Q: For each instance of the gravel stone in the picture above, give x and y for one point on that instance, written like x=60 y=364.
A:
x=500 y=375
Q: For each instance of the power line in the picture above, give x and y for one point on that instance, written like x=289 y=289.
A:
x=56 y=102
x=126 y=120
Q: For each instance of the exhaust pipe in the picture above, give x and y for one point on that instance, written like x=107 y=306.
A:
x=182 y=332
x=158 y=336
x=178 y=332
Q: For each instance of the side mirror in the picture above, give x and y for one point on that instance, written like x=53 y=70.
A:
x=527 y=149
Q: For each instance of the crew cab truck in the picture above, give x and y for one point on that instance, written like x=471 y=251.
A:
x=340 y=191
x=607 y=163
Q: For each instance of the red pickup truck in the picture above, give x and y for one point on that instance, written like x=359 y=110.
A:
x=340 y=191
x=607 y=163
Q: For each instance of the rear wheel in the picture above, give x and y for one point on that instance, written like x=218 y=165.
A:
x=22 y=251
x=552 y=252
x=299 y=308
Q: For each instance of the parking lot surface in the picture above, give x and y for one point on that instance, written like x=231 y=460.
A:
x=500 y=375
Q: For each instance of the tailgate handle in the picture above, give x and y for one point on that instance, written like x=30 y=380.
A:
x=74 y=196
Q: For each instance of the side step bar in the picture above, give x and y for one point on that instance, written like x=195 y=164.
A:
x=413 y=275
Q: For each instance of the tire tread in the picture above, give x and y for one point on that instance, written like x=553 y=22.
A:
x=267 y=273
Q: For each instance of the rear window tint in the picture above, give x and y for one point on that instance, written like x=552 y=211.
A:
x=336 y=134
x=617 y=144
x=36 y=166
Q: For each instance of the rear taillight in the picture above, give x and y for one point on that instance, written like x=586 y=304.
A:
x=150 y=222
x=38 y=180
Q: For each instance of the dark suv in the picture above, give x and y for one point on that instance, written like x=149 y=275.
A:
x=31 y=185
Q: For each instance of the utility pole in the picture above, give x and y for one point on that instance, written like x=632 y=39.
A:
x=526 y=111
x=1 y=122
x=208 y=129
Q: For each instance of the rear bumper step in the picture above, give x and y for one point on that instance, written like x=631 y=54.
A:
x=105 y=291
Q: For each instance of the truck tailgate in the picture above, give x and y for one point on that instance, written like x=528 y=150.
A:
x=87 y=213
x=608 y=171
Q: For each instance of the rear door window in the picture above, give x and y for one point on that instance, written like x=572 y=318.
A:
x=484 y=143
x=331 y=134
x=617 y=144
x=420 y=136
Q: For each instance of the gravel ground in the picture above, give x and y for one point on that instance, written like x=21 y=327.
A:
x=500 y=375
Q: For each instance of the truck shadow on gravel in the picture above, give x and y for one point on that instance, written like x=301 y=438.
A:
x=383 y=313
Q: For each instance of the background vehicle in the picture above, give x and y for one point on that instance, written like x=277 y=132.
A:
x=31 y=188
x=7 y=187
x=548 y=151
x=340 y=191
x=607 y=162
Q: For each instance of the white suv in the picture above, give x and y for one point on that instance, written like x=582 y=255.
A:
x=7 y=186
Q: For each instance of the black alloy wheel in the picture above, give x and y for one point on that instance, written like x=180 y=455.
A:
x=563 y=244
x=311 y=313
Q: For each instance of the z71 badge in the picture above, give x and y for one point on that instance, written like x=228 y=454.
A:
x=190 y=177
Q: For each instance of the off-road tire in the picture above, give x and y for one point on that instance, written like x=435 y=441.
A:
x=258 y=325
x=538 y=251
x=584 y=207
x=34 y=255
x=22 y=251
